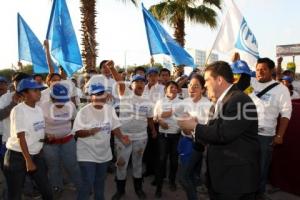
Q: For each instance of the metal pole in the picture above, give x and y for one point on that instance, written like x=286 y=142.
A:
x=125 y=61
x=293 y=59
x=152 y=61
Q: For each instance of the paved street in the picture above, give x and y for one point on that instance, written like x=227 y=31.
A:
x=167 y=194
x=150 y=190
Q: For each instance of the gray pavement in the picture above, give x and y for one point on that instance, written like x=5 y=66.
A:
x=69 y=194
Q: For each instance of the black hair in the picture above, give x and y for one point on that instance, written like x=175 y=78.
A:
x=139 y=69
x=37 y=75
x=102 y=63
x=220 y=68
x=270 y=63
x=92 y=71
x=165 y=70
x=50 y=76
x=171 y=83
x=17 y=77
x=199 y=78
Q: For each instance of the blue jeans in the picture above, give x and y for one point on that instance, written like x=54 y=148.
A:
x=93 y=177
x=58 y=155
x=266 y=150
x=188 y=172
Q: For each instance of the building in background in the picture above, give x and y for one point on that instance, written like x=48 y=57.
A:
x=198 y=55
x=213 y=58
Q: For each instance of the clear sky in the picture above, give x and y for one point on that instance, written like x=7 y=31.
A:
x=121 y=29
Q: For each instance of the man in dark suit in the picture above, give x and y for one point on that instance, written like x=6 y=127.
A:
x=231 y=137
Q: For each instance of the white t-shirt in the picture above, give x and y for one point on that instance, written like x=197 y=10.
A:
x=95 y=148
x=5 y=100
x=260 y=108
x=155 y=93
x=30 y=120
x=79 y=95
x=58 y=120
x=166 y=105
x=199 y=110
x=276 y=101
x=134 y=113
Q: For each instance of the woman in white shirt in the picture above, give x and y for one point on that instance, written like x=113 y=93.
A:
x=93 y=126
x=60 y=147
x=136 y=113
x=24 y=145
x=168 y=137
x=191 y=154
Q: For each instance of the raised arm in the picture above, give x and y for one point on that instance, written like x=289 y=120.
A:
x=278 y=68
x=118 y=78
x=48 y=57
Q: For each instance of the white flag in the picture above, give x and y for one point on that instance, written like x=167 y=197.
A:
x=236 y=36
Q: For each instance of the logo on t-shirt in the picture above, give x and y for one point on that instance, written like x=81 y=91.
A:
x=37 y=126
x=105 y=127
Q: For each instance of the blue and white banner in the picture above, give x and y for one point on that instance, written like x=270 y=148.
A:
x=236 y=36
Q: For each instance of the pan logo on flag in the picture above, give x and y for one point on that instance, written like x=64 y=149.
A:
x=246 y=40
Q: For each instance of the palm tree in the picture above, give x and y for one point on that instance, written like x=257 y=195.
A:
x=88 y=28
x=175 y=12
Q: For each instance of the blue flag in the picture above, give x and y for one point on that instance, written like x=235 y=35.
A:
x=160 y=42
x=64 y=47
x=29 y=47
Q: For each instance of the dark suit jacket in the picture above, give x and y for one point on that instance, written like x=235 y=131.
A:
x=233 y=148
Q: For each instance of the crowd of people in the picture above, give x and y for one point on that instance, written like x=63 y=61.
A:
x=167 y=125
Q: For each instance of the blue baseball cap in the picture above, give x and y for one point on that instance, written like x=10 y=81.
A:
x=96 y=89
x=287 y=78
x=60 y=93
x=138 y=78
x=240 y=67
x=3 y=79
x=152 y=70
x=28 y=83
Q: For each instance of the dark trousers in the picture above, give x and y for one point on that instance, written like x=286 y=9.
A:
x=167 y=147
x=217 y=196
x=15 y=172
x=151 y=153
x=266 y=150
x=188 y=173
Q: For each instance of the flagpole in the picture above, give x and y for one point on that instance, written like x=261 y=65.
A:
x=211 y=49
x=152 y=61
x=206 y=62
